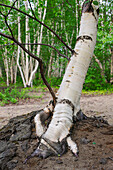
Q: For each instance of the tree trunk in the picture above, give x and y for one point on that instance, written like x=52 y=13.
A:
x=101 y=68
x=6 y=67
x=39 y=41
x=26 y=46
x=18 y=51
x=0 y=72
x=68 y=96
x=11 y=71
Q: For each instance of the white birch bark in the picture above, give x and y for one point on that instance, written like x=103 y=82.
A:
x=68 y=96
x=0 y=72
x=18 y=51
x=6 y=65
x=39 y=41
x=26 y=46
x=11 y=70
x=101 y=68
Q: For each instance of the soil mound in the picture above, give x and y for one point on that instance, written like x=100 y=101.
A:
x=94 y=137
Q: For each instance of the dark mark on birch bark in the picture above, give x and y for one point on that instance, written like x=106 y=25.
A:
x=67 y=102
x=74 y=53
x=98 y=11
x=84 y=37
x=87 y=7
x=67 y=81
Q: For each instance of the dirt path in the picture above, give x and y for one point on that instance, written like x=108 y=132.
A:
x=91 y=105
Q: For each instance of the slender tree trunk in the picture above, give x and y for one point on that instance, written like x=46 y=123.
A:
x=18 y=51
x=39 y=41
x=11 y=70
x=6 y=67
x=101 y=68
x=0 y=72
x=26 y=46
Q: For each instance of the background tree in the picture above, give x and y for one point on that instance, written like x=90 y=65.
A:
x=58 y=17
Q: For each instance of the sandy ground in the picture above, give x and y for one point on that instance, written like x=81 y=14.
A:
x=90 y=105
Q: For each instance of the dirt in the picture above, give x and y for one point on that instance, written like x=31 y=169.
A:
x=90 y=105
x=93 y=136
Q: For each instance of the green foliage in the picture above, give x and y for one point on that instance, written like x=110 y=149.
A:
x=12 y=95
x=53 y=81
x=95 y=2
x=64 y=19
x=107 y=91
x=93 y=80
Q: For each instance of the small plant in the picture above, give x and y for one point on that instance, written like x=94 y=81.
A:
x=12 y=95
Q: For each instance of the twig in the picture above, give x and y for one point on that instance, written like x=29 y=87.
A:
x=64 y=56
x=11 y=8
x=41 y=24
x=32 y=9
x=8 y=26
x=48 y=46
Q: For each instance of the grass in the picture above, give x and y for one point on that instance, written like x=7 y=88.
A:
x=98 y=92
x=13 y=94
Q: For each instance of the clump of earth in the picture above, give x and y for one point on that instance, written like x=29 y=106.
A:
x=93 y=136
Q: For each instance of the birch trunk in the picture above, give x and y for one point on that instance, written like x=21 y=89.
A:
x=39 y=41
x=11 y=70
x=6 y=67
x=26 y=46
x=68 y=96
x=101 y=68
x=18 y=51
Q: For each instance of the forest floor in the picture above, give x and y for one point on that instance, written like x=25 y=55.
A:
x=94 y=138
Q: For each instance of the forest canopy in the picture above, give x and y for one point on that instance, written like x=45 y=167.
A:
x=63 y=17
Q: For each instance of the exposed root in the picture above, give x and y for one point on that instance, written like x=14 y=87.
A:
x=42 y=120
x=73 y=146
x=47 y=147
x=80 y=116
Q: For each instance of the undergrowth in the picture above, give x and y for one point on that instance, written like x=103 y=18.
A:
x=14 y=94
x=98 y=92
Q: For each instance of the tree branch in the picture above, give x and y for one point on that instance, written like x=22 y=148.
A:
x=38 y=59
x=32 y=9
x=48 y=46
x=11 y=8
x=8 y=26
x=40 y=23
x=64 y=56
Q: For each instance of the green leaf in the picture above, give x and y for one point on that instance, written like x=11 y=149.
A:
x=86 y=1
x=95 y=2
